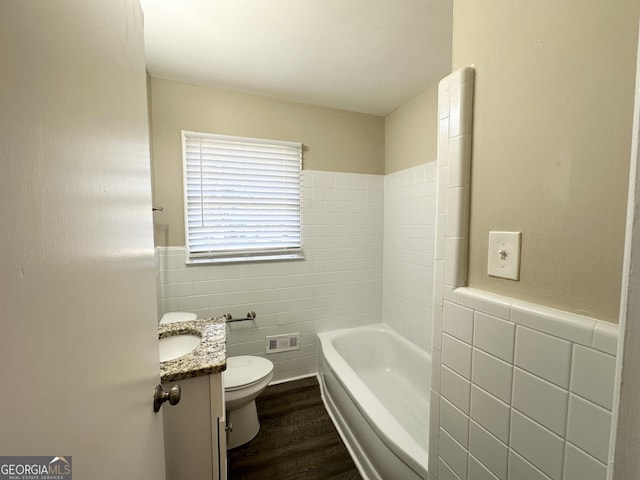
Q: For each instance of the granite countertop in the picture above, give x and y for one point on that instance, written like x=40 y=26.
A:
x=207 y=358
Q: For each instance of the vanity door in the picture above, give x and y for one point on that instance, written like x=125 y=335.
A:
x=194 y=434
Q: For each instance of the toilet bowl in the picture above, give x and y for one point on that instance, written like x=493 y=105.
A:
x=244 y=379
x=172 y=317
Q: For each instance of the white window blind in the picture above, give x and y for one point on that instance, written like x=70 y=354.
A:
x=242 y=198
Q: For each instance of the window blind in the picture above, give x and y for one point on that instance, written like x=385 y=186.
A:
x=242 y=198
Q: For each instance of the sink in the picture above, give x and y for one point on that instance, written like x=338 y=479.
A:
x=176 y=346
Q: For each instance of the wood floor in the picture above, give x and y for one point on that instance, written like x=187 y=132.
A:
x=297 y=440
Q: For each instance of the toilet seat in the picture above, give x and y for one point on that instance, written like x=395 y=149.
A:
x=244 y=371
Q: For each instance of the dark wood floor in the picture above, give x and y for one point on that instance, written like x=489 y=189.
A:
x=297 y=440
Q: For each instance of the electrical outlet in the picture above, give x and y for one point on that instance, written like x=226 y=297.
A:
x=504 y=255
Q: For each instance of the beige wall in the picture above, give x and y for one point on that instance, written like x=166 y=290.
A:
x=552 y=136
x=334 y=140
x=411 y=132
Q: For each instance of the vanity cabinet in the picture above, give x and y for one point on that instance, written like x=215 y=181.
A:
x=194 y=430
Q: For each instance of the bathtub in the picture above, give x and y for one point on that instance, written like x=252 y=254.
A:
x=375 y=385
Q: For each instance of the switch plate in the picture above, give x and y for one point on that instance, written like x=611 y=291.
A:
x=504 y=255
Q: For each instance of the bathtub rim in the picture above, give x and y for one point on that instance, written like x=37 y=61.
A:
x=411 y=453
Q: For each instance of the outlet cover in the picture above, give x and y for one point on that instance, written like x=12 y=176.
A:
x=504 y=255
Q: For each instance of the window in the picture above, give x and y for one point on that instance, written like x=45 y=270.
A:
x=242 y=198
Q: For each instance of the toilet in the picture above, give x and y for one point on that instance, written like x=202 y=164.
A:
x=172 y=317
x=244 y=379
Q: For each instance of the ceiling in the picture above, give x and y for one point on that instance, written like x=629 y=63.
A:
x=366 y=56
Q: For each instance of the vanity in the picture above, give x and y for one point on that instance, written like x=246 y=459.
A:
x=194 y=429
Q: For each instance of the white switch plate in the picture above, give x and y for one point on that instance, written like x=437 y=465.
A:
x=504 y=255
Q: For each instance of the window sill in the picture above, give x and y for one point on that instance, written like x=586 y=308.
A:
x=247 y=259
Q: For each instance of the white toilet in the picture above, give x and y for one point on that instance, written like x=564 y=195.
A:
x=172 y=317
x=244 y=379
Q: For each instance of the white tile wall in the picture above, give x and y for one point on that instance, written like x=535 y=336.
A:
x=490 y=304
x=494 y=336
x=492 y=374
x=434 y=430
x=455 y=422
x=409 y=237
x=572 y=327
x=454 y=148
x=490 y=451
x=456 y=389
x=543 y=355
x=456 y=355
x=436 y=360
x=338 y=285
x=580 y=466
x=592 y=375
x=519 y=468
x=528 y=390
x=458 y=322
x=586 y=427
x=535 y=443
x=491 y=413
x=446 y=473
x=453 y=454
x=549 y=407
x=605 y=338
x=477 y=471
x=538 y=402
x=437 y=327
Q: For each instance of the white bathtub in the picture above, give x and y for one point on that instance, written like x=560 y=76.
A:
x=375 y=385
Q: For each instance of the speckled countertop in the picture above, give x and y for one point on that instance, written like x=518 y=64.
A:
x=208 y=357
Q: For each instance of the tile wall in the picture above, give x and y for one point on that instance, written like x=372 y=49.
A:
x=409 y=236
x=519 y=391
x=338 y=285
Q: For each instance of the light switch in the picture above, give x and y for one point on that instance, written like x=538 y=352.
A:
x=504 y=254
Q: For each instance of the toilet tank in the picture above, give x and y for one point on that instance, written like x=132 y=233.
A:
x=172 y=317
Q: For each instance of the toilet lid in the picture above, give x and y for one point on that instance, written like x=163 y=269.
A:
x=171 y=317
x=245 y=370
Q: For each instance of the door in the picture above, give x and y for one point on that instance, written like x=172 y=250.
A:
x=625 y=441
x=78 y=335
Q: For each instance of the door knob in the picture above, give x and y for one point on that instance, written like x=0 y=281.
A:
x=160 y=396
